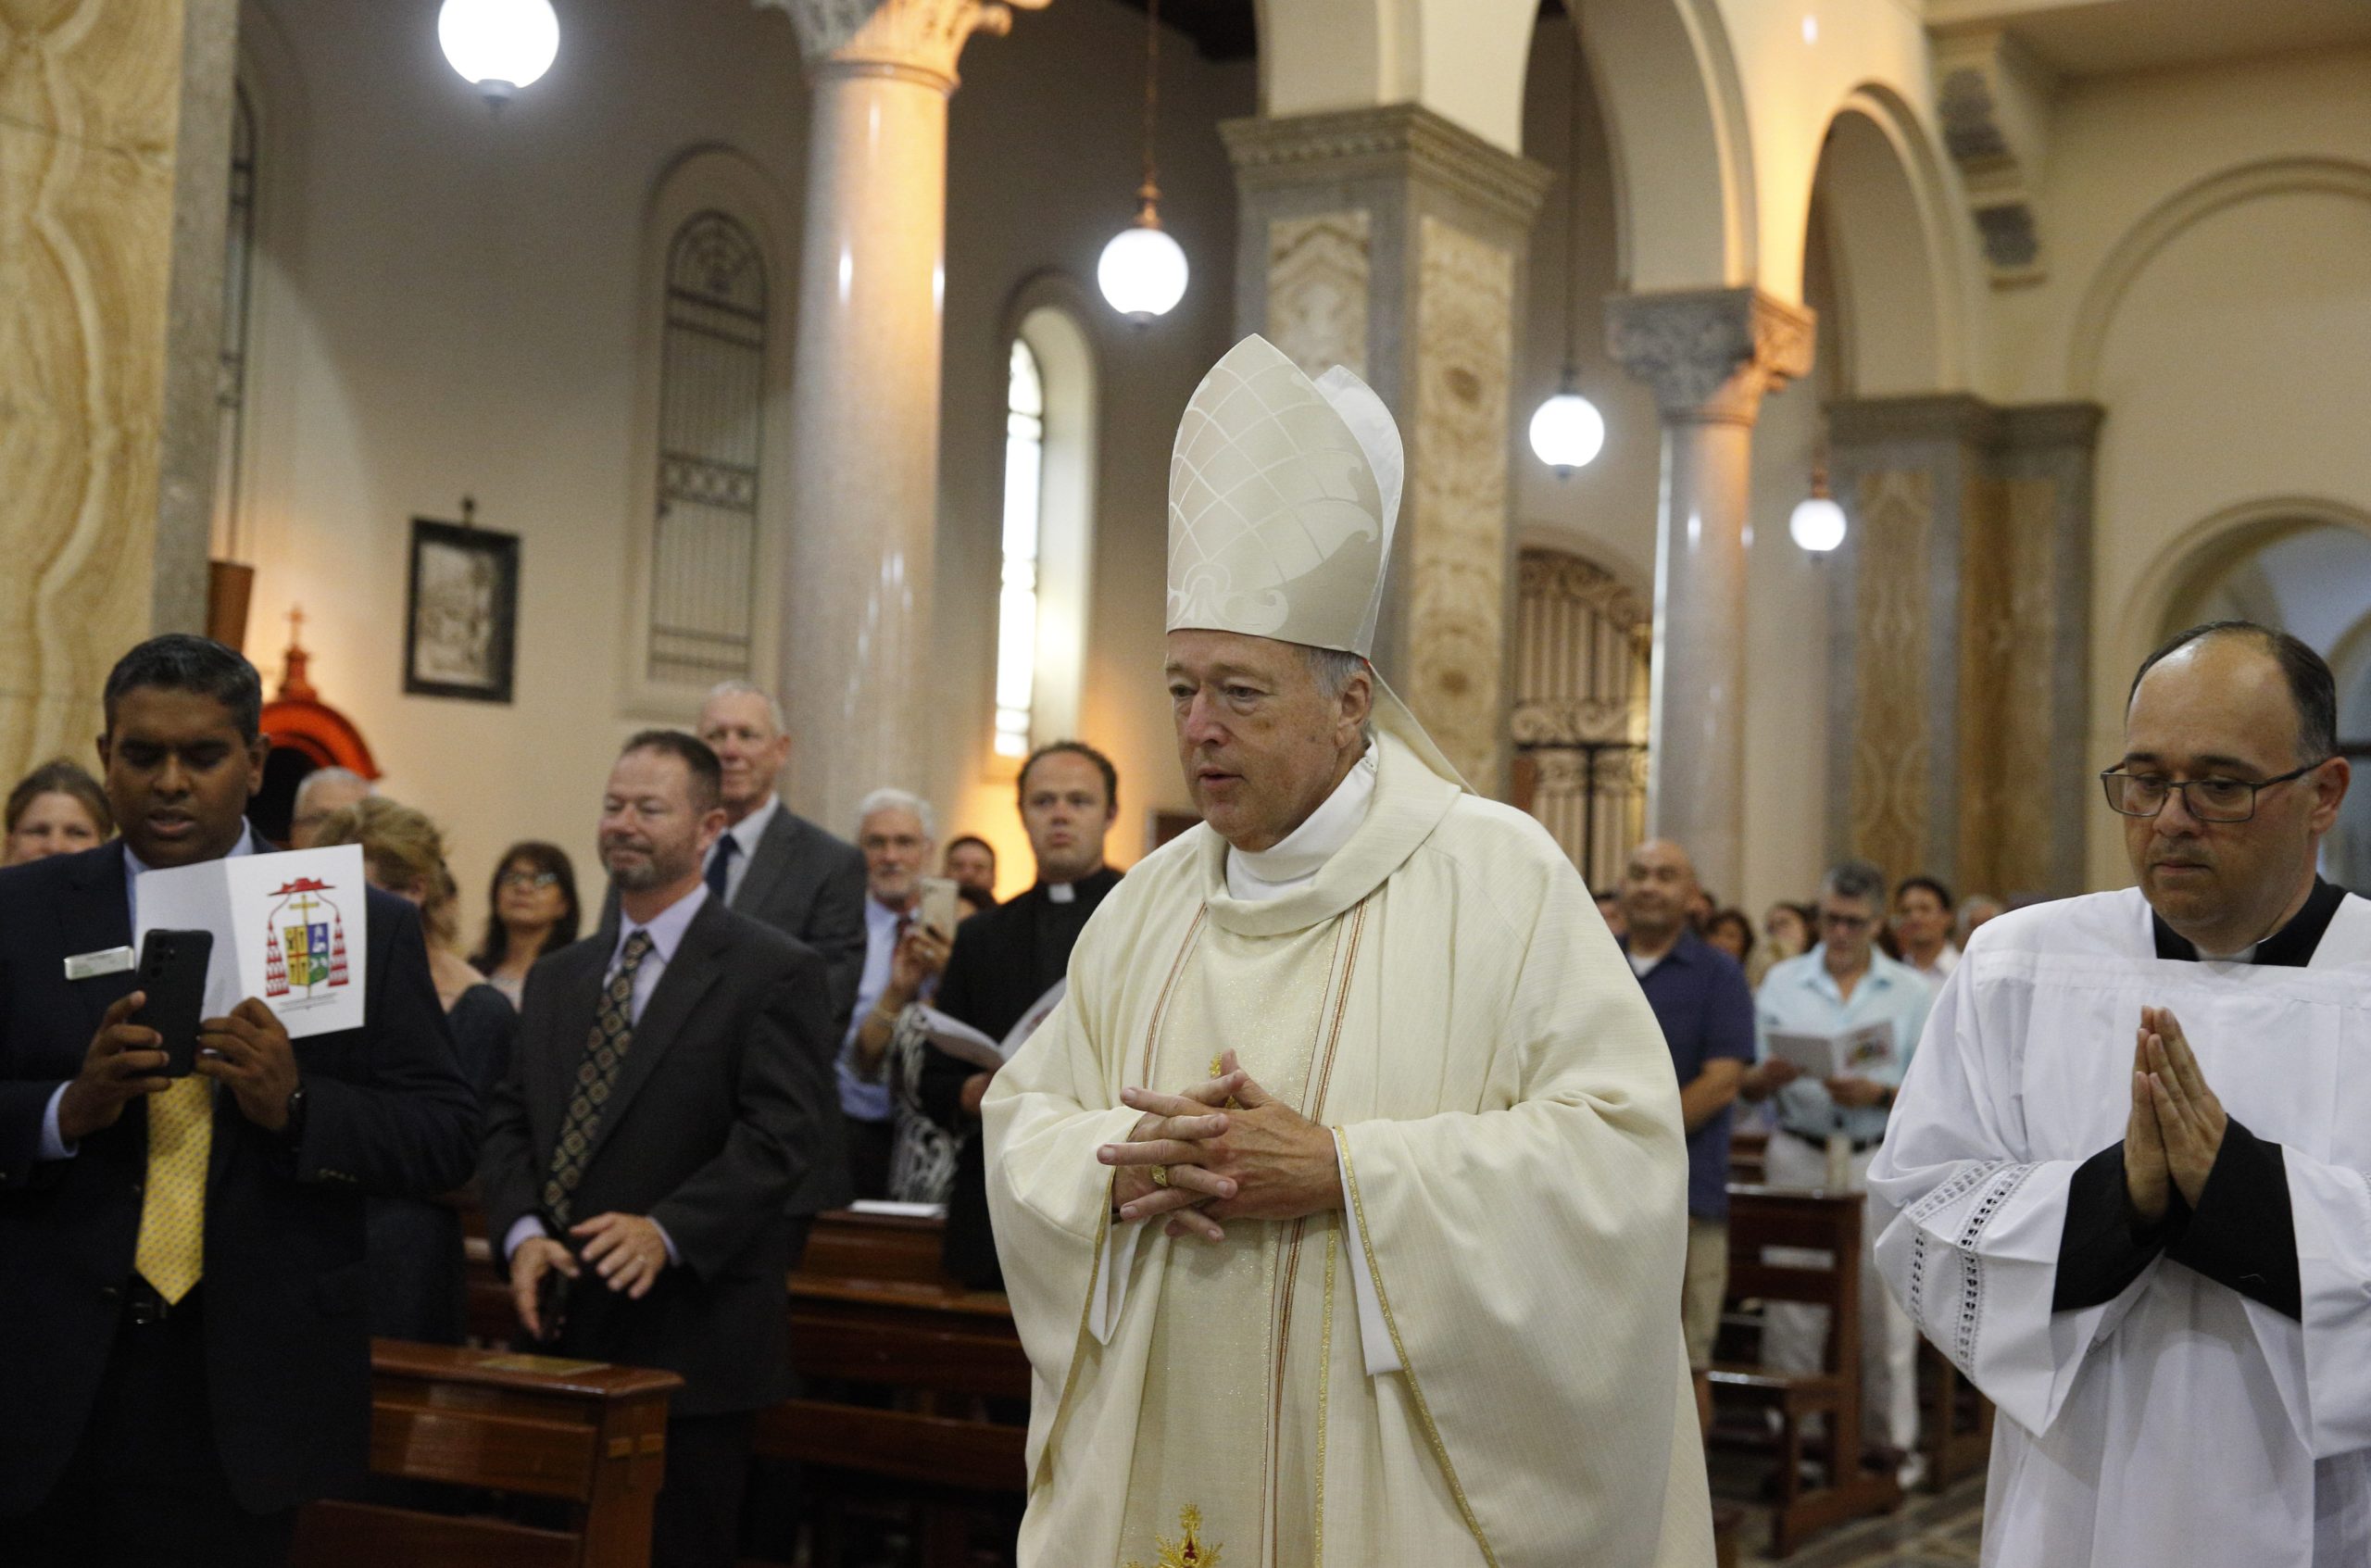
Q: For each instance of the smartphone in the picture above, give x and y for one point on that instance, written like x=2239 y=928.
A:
x=938 y=906
x=172 y=974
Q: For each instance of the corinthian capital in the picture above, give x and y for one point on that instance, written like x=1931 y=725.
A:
x=917 y=35
x=1710 y=353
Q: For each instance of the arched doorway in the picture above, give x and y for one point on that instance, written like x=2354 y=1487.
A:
x=1579 y=719
x=2306 y=571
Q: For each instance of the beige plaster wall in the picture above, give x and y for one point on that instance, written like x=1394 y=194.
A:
x=449 y=302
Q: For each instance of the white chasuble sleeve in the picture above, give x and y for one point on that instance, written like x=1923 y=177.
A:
x=1969 y=1228
x=1525 y=1262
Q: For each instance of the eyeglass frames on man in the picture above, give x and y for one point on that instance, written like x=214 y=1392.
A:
x=2208 y=799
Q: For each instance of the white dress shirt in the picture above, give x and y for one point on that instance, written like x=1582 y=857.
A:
x=745 y=835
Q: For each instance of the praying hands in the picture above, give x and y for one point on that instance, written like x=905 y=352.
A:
x=1200 y=1159
x=2176 y=1127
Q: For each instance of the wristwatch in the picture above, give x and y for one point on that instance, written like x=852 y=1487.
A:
x=294 y=1128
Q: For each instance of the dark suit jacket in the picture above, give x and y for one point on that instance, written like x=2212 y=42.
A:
x=711 y=1125
x=1003 y=961
x=287 y=1345
x=808 y=885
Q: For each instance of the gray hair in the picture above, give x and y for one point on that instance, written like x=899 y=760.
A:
x=896 y=800
x=1856 y=879
x=1333 y=669
x=748 y=688
x=320 y=776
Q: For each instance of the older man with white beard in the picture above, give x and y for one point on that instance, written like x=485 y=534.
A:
x=1342 y=1202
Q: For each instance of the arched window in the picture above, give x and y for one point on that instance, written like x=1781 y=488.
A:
x=231 y=375
x=711 y=420
x=1580 y=710
x=1047 y=530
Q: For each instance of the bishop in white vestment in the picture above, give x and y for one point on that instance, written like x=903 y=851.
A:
x=2195 y=1389
x=1468 y=1353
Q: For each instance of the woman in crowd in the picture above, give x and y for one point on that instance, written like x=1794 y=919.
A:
x=531 y=910
x=1731 y=929
x=56 y=809
x=418 y=1288
x=1788 y=928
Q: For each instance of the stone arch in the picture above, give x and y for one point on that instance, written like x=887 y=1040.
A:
x=2165 y=221
x=1686 y=208
x=1897 y=259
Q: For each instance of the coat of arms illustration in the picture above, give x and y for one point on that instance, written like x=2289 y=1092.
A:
x=305 y=941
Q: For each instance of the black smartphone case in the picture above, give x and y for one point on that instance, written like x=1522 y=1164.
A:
x=172 y=974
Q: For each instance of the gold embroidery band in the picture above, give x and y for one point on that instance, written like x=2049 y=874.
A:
x=1408 y=1368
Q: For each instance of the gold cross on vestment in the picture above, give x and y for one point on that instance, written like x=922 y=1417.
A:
x=1186 y=1550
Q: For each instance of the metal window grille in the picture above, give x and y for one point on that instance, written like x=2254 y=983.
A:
x=1582 y=643
x=1024 y=500
x=231 y=370
x=711 y=425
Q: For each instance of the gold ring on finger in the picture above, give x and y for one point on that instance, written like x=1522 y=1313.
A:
x=1160 y=1175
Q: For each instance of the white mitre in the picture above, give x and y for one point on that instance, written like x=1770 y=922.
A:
x=1283 y=495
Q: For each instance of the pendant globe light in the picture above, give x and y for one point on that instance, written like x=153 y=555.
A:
x=1143 y=271
x=1817 y=523
x=1567 y=432
x=498 y=46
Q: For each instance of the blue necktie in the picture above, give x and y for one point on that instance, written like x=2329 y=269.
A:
x=720 y=864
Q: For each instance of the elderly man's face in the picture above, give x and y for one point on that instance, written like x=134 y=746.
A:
x=739 y=727
x=896 y=850
x=317 y=803
x=1260 y=741
x=2220 y=708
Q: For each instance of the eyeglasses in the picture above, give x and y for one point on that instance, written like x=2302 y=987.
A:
x=1846 y=922
x=529 y=879
x=2210 y=799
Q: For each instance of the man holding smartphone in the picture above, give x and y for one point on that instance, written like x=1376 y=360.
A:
x=906 y=947
x=182 y=1262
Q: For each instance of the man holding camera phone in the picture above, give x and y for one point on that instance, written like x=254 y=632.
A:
x=182 y=1262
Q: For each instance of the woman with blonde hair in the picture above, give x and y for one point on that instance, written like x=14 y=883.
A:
x=419 y=1285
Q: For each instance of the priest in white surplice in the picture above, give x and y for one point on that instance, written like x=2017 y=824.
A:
x=1342 y=1202
x=2128 y=1185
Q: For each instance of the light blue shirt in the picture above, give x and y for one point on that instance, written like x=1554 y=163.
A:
x=860 y=1099
x=1799 y=996
x=53 y=1144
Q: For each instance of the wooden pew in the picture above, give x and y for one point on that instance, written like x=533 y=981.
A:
x=1762 y=1217
x=592 y=1436
x=870 y=1306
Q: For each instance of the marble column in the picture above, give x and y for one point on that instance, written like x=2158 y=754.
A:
x=1960 y=640
x=115 y=129
x=865 y=392
x=1394 y=242
x=1710 y=355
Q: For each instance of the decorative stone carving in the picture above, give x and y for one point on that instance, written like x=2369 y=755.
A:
x=1710 y=353
x=921 y=35
x=1319 y=269
x=1892 y=737
x=1993 y=100
x=1395 y=141
x=1457 y=521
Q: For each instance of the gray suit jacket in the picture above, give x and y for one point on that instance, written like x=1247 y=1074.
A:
x=709 y=1127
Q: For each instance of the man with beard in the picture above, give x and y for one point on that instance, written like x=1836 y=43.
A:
x=665 y=1097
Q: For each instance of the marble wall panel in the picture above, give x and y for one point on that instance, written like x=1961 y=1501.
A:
x=1891 y=732
x=1457 y=443
x=1320 y=273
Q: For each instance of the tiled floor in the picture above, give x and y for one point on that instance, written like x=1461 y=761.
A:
x=1928 y=1532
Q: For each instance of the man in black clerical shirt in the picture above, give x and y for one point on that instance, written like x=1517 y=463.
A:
x=1007 y=958
x=183 y=1280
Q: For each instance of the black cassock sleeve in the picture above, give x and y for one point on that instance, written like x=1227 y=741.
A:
x=2242 y=1234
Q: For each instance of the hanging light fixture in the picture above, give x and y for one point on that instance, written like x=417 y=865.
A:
x=498 y=46
x=1567 y=432
x=1143 y=271
x=1817 y=524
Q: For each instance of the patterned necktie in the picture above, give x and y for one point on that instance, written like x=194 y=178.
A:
x=604 y=1053
x=719 y=865
x=171 y=1253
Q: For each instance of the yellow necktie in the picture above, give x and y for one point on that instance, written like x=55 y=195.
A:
x=172 y=1254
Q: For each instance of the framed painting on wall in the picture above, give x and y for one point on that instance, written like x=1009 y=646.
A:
x=461 y=612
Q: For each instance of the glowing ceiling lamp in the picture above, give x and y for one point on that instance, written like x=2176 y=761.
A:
x=1567 y=432
x=498 y=46
x=1817 y=523
x=1143 y=271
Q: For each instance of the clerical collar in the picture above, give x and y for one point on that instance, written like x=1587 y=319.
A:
x=1060 y=892
x=1299 y=855
x=2289 y=948
x=1073 y=891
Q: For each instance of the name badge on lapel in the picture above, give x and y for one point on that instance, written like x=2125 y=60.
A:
x=106 y=960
